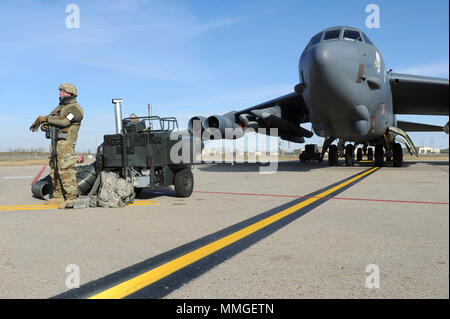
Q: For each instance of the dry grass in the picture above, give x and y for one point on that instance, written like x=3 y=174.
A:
x=23 y=162
x=440 y=157
x=24 y=158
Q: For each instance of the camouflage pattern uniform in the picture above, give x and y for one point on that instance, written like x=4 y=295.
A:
x=67 y=115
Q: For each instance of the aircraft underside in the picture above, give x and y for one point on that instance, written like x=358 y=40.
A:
x=387 y=148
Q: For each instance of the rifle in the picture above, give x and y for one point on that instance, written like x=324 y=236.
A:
x=52 y=133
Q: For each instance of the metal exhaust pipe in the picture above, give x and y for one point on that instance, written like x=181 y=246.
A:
x=150 y=115
x=118 y=114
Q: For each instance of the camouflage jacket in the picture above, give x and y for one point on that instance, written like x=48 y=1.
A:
x=67 y=115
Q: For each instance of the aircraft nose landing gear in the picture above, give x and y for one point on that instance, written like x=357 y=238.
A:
x=333 y=155
x=349 y=149
x=379 y=155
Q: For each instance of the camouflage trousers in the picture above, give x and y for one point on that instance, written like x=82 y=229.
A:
x=66 y=169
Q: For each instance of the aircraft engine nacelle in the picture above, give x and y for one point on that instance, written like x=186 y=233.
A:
x=224 y=124
x=193 y=120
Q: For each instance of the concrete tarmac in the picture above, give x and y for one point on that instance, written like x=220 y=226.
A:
x=396 y=219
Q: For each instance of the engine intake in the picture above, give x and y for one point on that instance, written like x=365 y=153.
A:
x=191 y=122
x=225 y=125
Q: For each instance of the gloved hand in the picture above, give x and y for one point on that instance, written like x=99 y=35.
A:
x=35 y=126
x=44 y=127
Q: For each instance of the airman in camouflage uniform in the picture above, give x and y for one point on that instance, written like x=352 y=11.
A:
x=67 y=116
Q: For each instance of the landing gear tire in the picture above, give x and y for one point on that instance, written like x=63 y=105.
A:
x=370 y=154
x=397 y=155
x=379 y=155
x=349 y=155
x=359 y=154
x=333 y=155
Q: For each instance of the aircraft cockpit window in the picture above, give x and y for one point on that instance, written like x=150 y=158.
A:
x=352 y=35
x=366 y=39
x=315 y=39
x=332 y=34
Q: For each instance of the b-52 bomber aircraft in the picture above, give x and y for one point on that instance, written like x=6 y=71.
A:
x=348 y=95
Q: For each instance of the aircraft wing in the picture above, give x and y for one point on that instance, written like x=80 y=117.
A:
x=413 y=94
x=291 y=105
x=418 y=127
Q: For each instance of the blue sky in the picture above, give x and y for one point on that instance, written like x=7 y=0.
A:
x=189 y=57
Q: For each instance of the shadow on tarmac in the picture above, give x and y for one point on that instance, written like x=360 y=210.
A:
x=150 y=194
x=283 y=166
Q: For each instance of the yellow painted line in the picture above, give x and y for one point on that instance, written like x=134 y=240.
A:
x=137 y=283
x=148 y=204
x=42 y=206
x=27 y=208
x=144 y=201
x=366 y=161
x=37 y=205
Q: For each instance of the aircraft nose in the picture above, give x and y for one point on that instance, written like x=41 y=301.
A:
x=330 y=78
x=325 y=80
x=323 y=67
x=321 y=57
x=332 y=60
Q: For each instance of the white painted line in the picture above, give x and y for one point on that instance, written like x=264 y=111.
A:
x=17 y=177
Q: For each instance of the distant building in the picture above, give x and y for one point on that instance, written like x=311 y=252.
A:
x=425 y=150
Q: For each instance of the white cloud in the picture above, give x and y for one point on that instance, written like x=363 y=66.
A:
x=220 y=23
x=156 y=41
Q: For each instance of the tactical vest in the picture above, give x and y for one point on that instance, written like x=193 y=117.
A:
x=74 y=113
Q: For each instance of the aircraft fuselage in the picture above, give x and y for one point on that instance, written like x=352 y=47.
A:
x=345 y=87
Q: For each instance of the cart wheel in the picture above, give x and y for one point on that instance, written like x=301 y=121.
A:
x=138 y=191
x=184 y=183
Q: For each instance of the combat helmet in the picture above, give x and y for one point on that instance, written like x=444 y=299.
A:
x=69 y=88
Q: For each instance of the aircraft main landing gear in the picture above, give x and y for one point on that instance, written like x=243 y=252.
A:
x=359 y=154
x=370 y=154
x=397 y=155
x=333 y=155
x=349 y=155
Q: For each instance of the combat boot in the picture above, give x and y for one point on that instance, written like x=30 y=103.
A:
x=66 y=203
x=54 y=201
